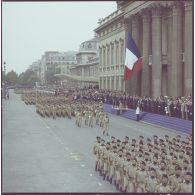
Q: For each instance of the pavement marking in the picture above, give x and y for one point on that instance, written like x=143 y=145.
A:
x=82 y=165
x=99 y=184
x=90 y=174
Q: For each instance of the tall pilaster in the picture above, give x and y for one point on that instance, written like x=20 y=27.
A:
x=156 y=51
x=127 y=24
x=176 y=68
x=169 y=50
x=188 y=49
x=136 y=37
x=146 y=18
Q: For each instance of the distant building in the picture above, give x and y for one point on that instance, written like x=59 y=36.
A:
x=85 y=71
x=54 y=62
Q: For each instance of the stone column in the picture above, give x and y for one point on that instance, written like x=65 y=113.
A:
x=106 y=83
x=136 y=37
x=115 y=82
x=146 y=18
x=188 y=38
x=120 y=84
x=176 y=68
x=127 y=25
x=156 y=51
x=106 y=57
x=169 y=50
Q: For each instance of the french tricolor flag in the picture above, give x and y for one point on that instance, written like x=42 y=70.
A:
x=133 y=61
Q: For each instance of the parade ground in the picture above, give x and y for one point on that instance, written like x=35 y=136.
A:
x=47 y=155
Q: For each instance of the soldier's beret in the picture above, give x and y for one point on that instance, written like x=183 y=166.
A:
x=155 y=136
x=164 y=152
x=186 y=161
x=98 y=137
x=178 y=168
x=141 y=136
x=156 y=155
x=120 y=150
x=103 y=140
x=108 y=143
x=164 y=175
x=178 y=136
x=146 y=153
x=112 y=137
x=152 y=169
x=128 y=154
x=149 y=139
x=189 y=173
x=134 y=140
x=114 y=147
x=143 y=163
x=166 y=136
x=118 y=140
x=123 y=147
x=163 y=162
x=126 y=137
x=161 y=140
x=175 y=156
x=174 y=139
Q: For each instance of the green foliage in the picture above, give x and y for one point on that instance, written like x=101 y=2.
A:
x=11 y=78
x=28 y=78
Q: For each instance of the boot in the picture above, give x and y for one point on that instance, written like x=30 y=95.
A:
x=104 y=176
x=111 y=180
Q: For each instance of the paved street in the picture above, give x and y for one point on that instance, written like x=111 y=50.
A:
x=46 y=155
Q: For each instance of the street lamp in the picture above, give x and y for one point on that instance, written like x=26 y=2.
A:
x=4 y=67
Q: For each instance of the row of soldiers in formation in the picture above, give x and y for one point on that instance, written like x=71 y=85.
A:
x=146 y=165
x=87 y=112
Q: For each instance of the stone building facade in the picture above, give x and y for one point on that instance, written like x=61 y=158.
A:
x=87 y=63
x=56 y=62
x=162 y=31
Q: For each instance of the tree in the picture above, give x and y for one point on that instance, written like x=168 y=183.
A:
x=11 y=78
x=28 y=77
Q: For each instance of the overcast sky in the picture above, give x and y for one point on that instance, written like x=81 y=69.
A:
x=30 y=29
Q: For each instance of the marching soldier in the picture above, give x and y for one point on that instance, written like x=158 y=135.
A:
x=132 y=171
x=95 y=151
x=140 y=177
x=106 y=124
x=176 y=179
x=186 y=185
x=164 y=187
x=90 y=119
x=151 y=181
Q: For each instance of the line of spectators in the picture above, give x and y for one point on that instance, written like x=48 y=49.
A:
x=180 y=107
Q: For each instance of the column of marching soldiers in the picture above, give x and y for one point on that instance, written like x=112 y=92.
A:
x=146 y=165
x=87 y=112
x=140 y=165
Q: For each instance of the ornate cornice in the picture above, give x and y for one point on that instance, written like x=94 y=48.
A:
x=146 y=14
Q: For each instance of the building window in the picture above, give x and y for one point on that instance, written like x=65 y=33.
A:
x=122 y=52
x=112 y=54
x=117 y=52
x=104 y=56
x=108 y=56
x=89 y=46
